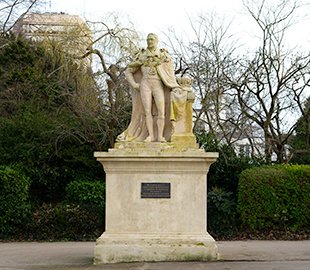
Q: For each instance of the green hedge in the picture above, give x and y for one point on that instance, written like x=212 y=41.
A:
x=14 y=208
x=275 y=196
x=87 y=193
x=221 y=213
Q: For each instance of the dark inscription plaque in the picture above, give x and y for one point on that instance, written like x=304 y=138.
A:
x=155 y=190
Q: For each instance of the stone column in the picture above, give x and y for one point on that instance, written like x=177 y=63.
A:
x=156 y=206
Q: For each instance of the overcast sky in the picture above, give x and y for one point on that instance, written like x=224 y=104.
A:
x=158 y=15
x=150 y=16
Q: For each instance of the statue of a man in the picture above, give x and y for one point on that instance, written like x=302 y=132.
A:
x=151 y=85
x=151 y=76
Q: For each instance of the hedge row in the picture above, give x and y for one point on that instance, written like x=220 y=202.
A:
x=80 y=216
x=270 y=198
x=14 y=206
x=276 y=197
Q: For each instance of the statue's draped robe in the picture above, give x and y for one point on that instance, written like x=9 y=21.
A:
x=175 y=103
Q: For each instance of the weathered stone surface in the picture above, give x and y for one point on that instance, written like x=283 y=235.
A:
x=113 y=248
x=139 y=229
x=161 y=103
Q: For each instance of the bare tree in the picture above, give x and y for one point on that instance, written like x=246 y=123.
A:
x=255 y=96
x=12 y=10
x=114 y=46
x=266 y=85
x=209 y=59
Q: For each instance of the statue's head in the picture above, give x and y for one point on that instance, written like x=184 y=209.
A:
x=152 y=40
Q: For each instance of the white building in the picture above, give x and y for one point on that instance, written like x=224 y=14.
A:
x=70 y=30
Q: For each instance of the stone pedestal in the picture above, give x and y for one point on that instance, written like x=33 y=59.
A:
x=155 y=229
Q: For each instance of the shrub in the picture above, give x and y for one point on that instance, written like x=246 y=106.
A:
x=26 y=137
x=64 y=222
x=87 y=193
x=221 y=212
x=14 y=208
x=275 y=197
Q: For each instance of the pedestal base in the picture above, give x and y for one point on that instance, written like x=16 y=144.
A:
x=156 y=205
x=114 y=248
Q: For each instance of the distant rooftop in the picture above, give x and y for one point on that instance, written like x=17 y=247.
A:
x=70 y=30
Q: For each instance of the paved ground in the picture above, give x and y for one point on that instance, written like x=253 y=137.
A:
x=241 y=255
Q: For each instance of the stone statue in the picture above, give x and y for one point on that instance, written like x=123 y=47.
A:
x=158 y=100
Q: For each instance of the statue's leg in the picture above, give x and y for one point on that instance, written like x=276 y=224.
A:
x=146 y=97
x=158 y=93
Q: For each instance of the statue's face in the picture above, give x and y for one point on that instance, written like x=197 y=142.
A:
x=151 y=41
